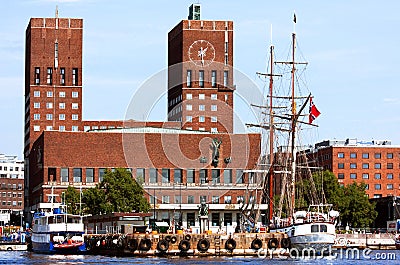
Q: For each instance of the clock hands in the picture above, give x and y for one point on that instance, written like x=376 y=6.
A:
x=202 y=53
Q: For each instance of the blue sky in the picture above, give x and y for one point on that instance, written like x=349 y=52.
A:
x=352 y=48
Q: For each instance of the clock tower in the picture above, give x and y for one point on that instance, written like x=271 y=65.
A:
x=200 y=73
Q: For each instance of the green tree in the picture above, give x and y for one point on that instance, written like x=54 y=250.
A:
x=72 y=201
x=356 y=210
x=118 y=192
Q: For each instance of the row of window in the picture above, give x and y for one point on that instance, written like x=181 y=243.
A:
x=366 y=155
x=366 y=176
x=157 y=175
x=366 y=165
x=61 y=128
x=12 y=176
x=49 y=76
x=201 y=96
x=11 y=195
x=190 y=77
x=49 y=117
x=11 y=168
x=190 y=199
x=191 y=218
x=61 y=105
x=189 y=107
x=10 y=186
x=61 y=94
x=11 y=203
x=379 y=186
x=201 y=118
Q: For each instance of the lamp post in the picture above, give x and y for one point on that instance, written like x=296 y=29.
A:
x=21 y=213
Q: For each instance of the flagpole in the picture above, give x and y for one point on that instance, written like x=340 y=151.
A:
x=294 y=21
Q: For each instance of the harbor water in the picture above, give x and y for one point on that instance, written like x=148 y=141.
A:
x=365 y=257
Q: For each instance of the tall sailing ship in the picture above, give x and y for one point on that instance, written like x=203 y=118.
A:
x=285 y=164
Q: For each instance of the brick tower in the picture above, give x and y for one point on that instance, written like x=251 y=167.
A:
x=200 y=73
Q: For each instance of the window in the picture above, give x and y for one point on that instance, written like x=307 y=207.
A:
x=75 y=76
x=153 y=175
x=178 y=199
x=389 y=165
x=202 y=107
x=37 y=76
x=61 y=105
x=353 y=165
x=389 y=176
x=202 y=96
x=203 y=176
x=165 y=199
x=215 y=175
x=213 y=78
x=36 y=105
x=353 y=175
x=190 y=177
x=341 y=165
x=77 y=175
x=340 y=155
x=389 y=155
x=189 y=78
x=215 y=199
x=228 y=176
x=36 y=94
x=377 y=155
x=165 y=175
x=49 y=105
x=64 y=174
x=36 y=128
x=61 y=117
x=49 y=76
x=389 y=186
x=102 y=171
x=226 y=59
x=377 y=165
x=353 y=155
x=365 y=176
x=36 y=116
x=214 y=108
x=340 y=176
x=377 y=186
x=189 y=118
x=239 y=176
x=239 y=199
x=74 y=128
x=365 y=165
x=214 y=119
x=377 y=176
x=75 y=106
x=226 y=78
x=189 y=96
x=74 y=117
x=214 y=97
x=201 y=78
x=62 y=76
x=189 y=107
x=190 y=199
x=191 y=219
x=177 y=175
x=215 y=219
x=89 y=175
x=49 y=117
x=365 y=155
x=75 y=94
x=203 y=198
x=61 y=94
x=49 y=128
x=202 y=119
x=228 y=199
x=49 y=94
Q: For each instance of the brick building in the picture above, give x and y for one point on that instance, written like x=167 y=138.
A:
x=181 y=162
x=11 y=189
x=376 y=163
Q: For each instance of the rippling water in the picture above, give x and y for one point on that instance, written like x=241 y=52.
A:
x=23 y=257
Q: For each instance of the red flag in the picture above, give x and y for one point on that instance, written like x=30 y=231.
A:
x=314 y=112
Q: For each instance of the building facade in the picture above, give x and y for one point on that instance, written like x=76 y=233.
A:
x=376 y=163
x=11 y=189
x=181 y=162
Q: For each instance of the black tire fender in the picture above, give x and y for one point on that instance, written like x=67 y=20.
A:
x=184 y=245
x=173 y=239
x=203 y=245
x=188 y=237
x=133 y=244
x=256 y=244
x=145 y=244
x=162 y=245
x=285 y=242
x=230 y=244
x=273 y=243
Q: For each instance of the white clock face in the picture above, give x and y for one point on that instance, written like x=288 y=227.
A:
x=201 y=53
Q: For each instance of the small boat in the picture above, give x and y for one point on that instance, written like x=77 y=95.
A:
x=58 y=232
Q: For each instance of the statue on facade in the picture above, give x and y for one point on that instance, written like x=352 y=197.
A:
x=215 y=147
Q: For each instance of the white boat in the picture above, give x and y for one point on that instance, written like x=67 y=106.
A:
x=57 y=232
x=312 y=229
